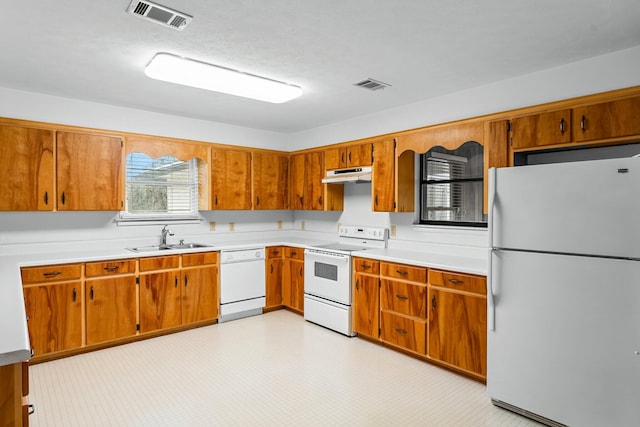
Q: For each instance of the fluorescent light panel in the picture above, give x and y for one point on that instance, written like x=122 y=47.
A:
x=189 y=72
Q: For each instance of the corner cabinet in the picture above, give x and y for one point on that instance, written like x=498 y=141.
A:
x=89 y=172
x=274 y=278
x=293 y=279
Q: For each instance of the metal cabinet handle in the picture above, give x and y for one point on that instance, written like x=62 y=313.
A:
x=186 y=280
x=176 y=282
x=433 y=302
x=357 y=284
x=342 y=158
x=456 y=281
x=91 y=293
x=216 y=200
x=402 y=297
x=52 y=274
x=63 y=198
x=404 y=273
x=301 y=271
x=401 y=331
x=583 y=124
x=349 y=156
x=112 y=268
x=32 y=409
x=74 y=295
x=365 y=266
x=46 y=197
x=257 y=200
x=562 y=124
x=376 y=200
x=271 y=268
x=320 y=200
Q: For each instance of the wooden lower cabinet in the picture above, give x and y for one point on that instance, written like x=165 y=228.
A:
x=458 y=321
x=274 y=278
x=54 y=313
x=160 y=295
x=293 y=279
x=110 y=308
x=200 y=294
x=434 y=314
x=366 y=297
x=14 y=392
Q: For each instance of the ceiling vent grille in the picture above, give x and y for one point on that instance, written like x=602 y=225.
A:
x=159 y=14
x=372 y=84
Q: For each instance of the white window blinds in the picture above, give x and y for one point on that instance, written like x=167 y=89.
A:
x=161 y=188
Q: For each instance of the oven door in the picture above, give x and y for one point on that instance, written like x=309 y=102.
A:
x=327 y=275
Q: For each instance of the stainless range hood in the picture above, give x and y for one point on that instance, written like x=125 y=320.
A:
x=355 y=175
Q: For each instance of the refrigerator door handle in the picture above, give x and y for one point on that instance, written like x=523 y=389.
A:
x=491 y=204
x=491 y=308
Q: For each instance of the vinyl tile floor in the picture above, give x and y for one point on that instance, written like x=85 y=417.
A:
x=270 y=370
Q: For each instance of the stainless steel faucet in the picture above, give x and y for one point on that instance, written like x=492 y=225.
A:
x=163 y=237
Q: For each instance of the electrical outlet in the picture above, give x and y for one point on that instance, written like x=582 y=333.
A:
x=279 y=224
x=232 y=226
x=392 y=231
x=301 y=225
x=212 y=226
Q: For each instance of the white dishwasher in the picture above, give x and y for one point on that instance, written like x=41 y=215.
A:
x=242 y=283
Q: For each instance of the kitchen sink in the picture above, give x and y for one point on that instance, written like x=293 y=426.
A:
x=176 y=246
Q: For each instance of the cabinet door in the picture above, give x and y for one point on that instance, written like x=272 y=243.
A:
x=359 y=155
x=274 y=282
x=26 y=178
x=541 y=129
x=293 y=292
x=382 y=181
x=296 y=181
x=313 y=189
x=496 y=152
x=607 y=120
x=230 y=179
x=159 y=301
x=335 y=158
x=458 y=330
x=270 y=181
x=89 y=172
x=55 y=316
x=365 y=305
x=199 y=294
x=110 y=308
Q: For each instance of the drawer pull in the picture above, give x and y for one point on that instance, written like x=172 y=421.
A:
x=401 y=331
x=456 y=281
x=365 y=266
x=402 y=297
x=52 y=274
x=404 y=273
x=583 y=124
x=294 y=253
x=32 y=409
x=112 y=268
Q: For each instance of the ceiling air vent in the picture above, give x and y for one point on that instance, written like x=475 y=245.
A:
x=372 y=84
x=159 y=14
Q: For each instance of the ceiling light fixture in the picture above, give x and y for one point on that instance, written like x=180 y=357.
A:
x=189 y=72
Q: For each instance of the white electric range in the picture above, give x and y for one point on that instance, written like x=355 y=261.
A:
x=328 y=294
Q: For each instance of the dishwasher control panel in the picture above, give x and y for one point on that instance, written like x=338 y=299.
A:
x=242 y=255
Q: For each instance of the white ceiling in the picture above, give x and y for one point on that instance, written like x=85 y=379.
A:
x=93 y=50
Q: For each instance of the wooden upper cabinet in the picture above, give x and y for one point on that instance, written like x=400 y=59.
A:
x=89 y=172
x=307 y=191
x=542 y=129
x=26 y=177
x=230 y=179
x=383 y=177
x=613 y=119
x=496 y=152
x=270 y=181
x=349 y=157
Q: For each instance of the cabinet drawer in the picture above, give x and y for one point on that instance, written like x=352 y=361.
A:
x=201 y=258
x=275 y=252
x=404 y=298
x=457 y=281
x=362 y=265
x=52 y=273
x=106 y=268
x=295 y=253
x=404 y=272
x=404 y=332
x=159 y=263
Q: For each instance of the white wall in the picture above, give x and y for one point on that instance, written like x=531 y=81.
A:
x=607 y=72
x=54 y=109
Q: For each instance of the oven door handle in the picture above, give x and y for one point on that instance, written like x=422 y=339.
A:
x=335 y=258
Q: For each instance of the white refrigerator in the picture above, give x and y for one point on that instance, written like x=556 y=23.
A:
x=564 y=292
